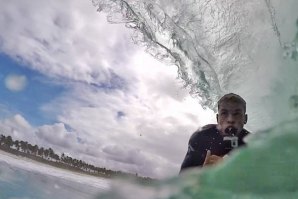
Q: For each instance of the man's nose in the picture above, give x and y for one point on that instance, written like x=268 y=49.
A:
x=231 y=118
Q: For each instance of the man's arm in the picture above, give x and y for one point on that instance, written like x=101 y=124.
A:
x=197 y=155
x=194 y=156
x=192 y=159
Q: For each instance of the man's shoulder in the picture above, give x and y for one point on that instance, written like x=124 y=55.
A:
x=208 y=127
x=203 y=131
x=244 y=133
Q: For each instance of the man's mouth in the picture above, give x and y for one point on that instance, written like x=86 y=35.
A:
x=230 y=130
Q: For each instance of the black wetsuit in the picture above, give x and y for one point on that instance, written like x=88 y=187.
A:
x=208 y=139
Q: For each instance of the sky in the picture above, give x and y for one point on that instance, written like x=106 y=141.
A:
x=71 y=81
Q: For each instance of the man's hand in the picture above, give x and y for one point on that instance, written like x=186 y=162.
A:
x=211 y=159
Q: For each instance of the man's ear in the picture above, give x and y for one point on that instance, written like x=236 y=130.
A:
x=217 y=118
x=246 y=118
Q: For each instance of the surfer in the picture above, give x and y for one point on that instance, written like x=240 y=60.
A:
x=208 y=145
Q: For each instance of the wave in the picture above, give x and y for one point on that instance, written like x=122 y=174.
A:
x=246 y=47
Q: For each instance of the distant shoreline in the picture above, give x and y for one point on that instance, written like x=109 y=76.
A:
x=49 y=157
x=48 y=162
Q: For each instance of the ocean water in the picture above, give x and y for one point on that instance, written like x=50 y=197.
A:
x=221 y=46
x=266 y=169
x=21 y=178
x=247 y=47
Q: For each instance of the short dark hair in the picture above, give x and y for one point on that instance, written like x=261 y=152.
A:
x=232 y=97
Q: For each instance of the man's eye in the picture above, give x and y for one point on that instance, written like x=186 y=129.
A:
x=237 y=113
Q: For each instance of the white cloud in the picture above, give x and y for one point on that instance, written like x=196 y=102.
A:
x=15 y=82
x=70 y=41
x=56 y=135
x=63 y=39
x=19 y=120
x=17 y=127
x=158 y=118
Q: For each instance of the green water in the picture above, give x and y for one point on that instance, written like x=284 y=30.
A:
x=265 y=169
x=247 y=47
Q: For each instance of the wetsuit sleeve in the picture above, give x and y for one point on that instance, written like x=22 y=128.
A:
x=195 y=155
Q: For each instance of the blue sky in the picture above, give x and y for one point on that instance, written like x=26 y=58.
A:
x=91 y=92
x=85 y=89
x=38 y=91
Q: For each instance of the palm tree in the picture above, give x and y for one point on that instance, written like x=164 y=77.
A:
x=8 y=141
x=17 y=144
x=62 y=157
x=24 y=146
x=46 y=153
x=2 y=139
x=30 y=148
x=51 y=153
x=56 y=157
x=40 y=152
x=34 y=149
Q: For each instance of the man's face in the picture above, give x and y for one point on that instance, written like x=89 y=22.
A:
x=231 y=114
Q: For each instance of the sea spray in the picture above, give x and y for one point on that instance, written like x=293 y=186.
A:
x=205 y=40
x=248 y=47
x=219 y=47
